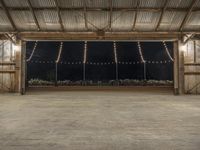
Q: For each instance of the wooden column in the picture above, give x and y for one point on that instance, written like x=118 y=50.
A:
x=23 y=68
x=179 y=68
x=181 y=73
x=176 y=66
x=20 y=68
x=17 y=49
x=181 y=50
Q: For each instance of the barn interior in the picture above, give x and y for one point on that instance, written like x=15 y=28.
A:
x=99 y=74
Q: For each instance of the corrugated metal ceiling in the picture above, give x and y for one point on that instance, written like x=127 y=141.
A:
x=121 y=20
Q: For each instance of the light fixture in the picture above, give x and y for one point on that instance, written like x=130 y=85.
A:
x=16 y=48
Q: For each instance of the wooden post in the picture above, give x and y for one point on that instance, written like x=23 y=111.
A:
x=23 y=68
x=176 y=66
x=17 y=49
x=195 y=52
x=20 y=67
x=181 y=49
x=181 y=73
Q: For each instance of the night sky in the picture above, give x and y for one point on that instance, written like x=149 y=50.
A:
x=100 y=64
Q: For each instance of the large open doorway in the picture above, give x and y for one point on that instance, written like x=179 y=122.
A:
x=99 y=63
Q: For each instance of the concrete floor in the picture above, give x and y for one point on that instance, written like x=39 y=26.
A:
x=99 y=120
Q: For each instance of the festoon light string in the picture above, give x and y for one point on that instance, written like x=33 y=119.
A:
x=116 y=60
x=84 y=59
x=60 y=52
x=142 y=58
x=167 y=51
x=33 y=51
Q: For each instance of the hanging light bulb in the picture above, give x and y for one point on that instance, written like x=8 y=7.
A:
x=85 y=52
x=34 y=48
x=167 y=51
x=140 y=52
x=60 y=51
x=115 y=52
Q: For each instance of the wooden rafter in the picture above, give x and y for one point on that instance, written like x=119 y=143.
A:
x=162 y=14
x=85 y=15
x=34 y=16
x=136 y=15
x=111 y=11
x=59 y=15
x=187 y=37
x=10 y=38
x=188 y=14
x=147 y=9
x=8 y=15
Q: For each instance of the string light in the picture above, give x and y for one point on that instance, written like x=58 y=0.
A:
x=142 y=59
x=85 y=52
x=104 y=63
x=140 y=52
x=115 y=51
x=167 y=50
x=34 y=48
x=60 y=51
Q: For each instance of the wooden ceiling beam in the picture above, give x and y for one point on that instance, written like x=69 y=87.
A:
x=188 y=14
x=111 y=13
x=4 y=7
x=136 y=15
x=33 y=14
x=151 y=36
x=148 y=9
x=85 y=15
x=162 y=14
x=59 y=15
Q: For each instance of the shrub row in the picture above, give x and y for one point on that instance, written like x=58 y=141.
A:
x=125 y=82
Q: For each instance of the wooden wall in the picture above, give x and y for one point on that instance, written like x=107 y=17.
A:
x=192 y=67
x=7 y=67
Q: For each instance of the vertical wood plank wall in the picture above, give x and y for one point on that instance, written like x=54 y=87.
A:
x=7 y=67
x=11 y=66
x=192 y=67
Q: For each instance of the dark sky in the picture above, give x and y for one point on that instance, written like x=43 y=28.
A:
x=70 y=67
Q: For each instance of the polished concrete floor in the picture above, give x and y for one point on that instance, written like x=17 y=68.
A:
x=99 y=120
